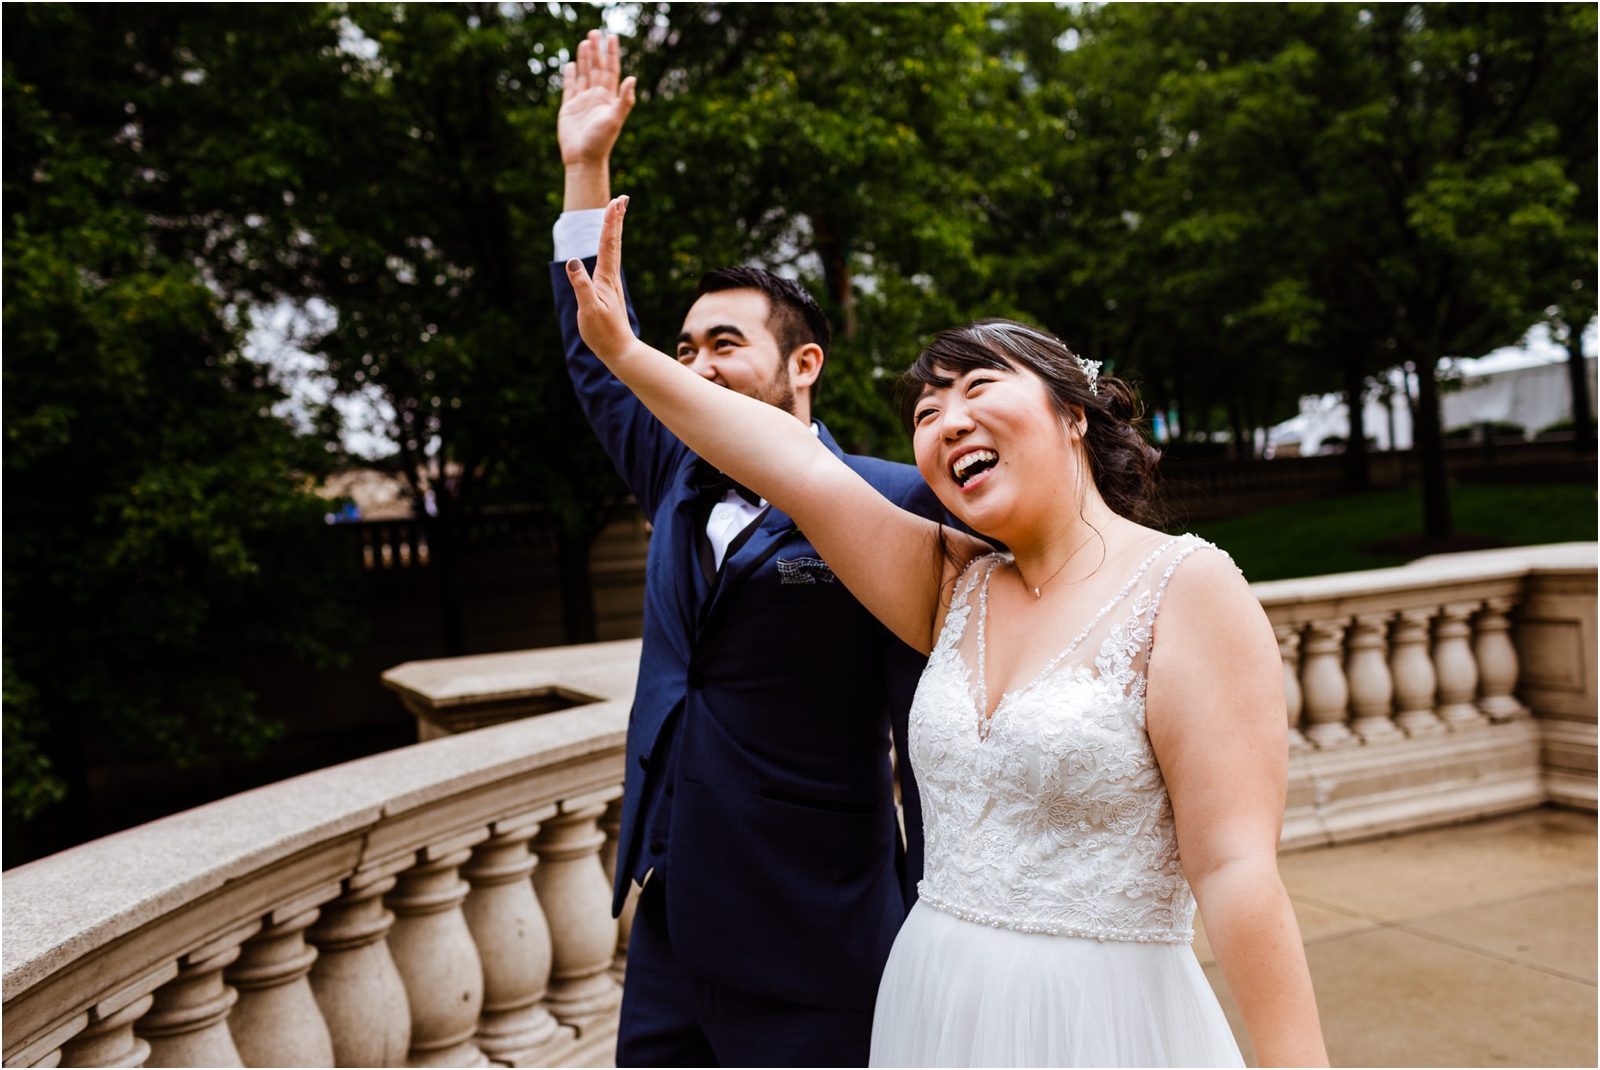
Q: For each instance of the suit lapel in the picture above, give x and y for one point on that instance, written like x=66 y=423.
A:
x=761 y=545
x=689 y=575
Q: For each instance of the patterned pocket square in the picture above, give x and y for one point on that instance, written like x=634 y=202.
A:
x=805 y=570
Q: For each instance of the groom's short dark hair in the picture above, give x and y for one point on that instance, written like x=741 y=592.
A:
x=794 y=318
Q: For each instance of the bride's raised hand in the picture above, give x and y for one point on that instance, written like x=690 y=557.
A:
x=602 y=309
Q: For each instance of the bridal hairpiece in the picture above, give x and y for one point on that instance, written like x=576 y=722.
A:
x=1090 y=368
x=1091 y=372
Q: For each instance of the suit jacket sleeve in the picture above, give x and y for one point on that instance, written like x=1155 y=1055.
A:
x=642 y=449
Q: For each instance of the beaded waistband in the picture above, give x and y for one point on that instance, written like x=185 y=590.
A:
x=1050 y=928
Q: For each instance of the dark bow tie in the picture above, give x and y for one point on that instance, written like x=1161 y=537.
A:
x=716 y=485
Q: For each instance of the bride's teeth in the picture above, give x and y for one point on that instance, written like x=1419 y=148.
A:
x=960 y=468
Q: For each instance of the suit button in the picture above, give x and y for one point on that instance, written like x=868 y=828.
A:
x=644 y=763
x=696 y=680
x=657 y=847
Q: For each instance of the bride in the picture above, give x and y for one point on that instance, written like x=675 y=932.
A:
x=1088 y=770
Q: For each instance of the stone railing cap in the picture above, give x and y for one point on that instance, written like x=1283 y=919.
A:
x=59 y=908
x=601 y=671
x=1431 y=571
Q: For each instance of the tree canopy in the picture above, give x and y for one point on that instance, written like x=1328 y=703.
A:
x=1231 y=205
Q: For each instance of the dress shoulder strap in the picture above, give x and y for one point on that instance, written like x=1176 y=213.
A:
x=1189 y=544
x=972 y=574
x=955 y=618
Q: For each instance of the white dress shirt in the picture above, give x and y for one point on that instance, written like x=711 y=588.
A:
x=577 y=237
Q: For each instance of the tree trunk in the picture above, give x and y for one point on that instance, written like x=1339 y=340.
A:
x=1388 y=411
x=1583 y=433
x=835 y=255
x=1436 y=522
x=577 y=583
x=1407 y=370
x=1357 y=470
x=1240 y=448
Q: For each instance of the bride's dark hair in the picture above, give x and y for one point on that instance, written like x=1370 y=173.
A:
x=1121 y=462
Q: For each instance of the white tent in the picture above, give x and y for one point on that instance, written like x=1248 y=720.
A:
x=1527 y=385
x=1533 y=396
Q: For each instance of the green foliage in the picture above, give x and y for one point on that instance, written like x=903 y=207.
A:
x=1232 y=205
x=160 y=533
x=856 y=146
x=1308 y=193
x=1314 y=538
x=31 y=785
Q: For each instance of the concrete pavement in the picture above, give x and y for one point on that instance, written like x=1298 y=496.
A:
x=1473 y=945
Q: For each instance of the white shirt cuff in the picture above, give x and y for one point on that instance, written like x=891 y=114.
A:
x=577 y=234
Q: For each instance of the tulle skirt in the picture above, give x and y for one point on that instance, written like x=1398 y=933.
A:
x=960 y=994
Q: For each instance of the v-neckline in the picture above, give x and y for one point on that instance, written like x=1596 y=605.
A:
x=980 y=701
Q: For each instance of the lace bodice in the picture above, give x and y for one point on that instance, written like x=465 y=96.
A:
x=1059 y=821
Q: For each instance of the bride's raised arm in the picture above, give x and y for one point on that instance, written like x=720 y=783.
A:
x=889 y=559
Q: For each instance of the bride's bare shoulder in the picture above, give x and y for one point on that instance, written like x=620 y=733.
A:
x=1203 y=588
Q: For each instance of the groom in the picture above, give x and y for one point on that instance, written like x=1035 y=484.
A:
x=759 y=812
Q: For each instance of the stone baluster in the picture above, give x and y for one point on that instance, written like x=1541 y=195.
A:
x=572 y=888
x=354 y=978
x=1455 y=666
x=1294 y=703
x=1416 y=685
x=611 y=825
x=1322 y=682
x=109 y=1038
x=1366 y=668
x=187 y=1024
x=51 y=1060
x=277 y=1021
x=513 y=941
x=435 y=954
x=1497 y=662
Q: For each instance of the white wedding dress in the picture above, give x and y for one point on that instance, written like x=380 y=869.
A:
x=1054 y=920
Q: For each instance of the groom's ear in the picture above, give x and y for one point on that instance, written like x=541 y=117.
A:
x=805 y=364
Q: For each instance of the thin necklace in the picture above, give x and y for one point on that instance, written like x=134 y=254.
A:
x=1054 y=574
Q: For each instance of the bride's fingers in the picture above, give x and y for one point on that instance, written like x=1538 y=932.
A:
x=608 y=265
x=628 y=95
x=582 y=285
x=569 y=78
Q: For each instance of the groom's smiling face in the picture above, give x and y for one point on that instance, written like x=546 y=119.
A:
x=725 y=338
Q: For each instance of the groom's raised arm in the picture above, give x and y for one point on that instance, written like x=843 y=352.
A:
x=595 y=102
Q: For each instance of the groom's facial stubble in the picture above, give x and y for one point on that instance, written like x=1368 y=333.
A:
x=725 y=338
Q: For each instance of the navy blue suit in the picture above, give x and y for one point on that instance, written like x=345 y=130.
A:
x=758 y=781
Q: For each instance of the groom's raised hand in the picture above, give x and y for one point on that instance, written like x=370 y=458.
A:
x=594 y=105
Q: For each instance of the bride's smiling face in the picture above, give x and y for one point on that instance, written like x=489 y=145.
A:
x=994 y=449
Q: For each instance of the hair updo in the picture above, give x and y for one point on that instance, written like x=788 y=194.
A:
x=1121 y=462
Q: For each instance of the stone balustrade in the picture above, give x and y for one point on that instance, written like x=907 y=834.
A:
x=447 y=904
x=1454 y=687
x=444 y=904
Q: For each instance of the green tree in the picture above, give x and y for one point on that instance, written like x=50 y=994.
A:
x=1304 y=195
x=1167 y=238
x=426 y=201
x=1569 y=107
x=854 y=146
x=161 y=537
x=395 y=163
x=1459 y=193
